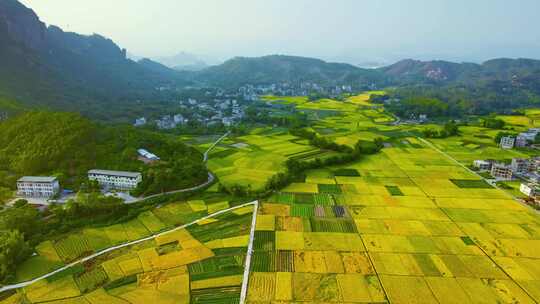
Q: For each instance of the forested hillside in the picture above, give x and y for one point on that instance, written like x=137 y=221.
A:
x=456 y=89
x=45 y=67
x=67 y=145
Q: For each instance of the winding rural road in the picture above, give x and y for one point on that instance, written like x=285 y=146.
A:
x=210 y=180
x=104 y=251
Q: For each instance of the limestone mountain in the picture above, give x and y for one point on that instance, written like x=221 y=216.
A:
x=46 y=67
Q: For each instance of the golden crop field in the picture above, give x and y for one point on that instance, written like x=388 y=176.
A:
x=202 y=262
x=408 y=237
x=392 y=227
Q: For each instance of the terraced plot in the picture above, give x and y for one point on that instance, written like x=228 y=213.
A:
x=203 y=263
x=258 y=158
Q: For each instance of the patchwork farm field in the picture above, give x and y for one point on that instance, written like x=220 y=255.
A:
x=252 y=159
x=478 y=143
x=407 y=225
x=202 y=263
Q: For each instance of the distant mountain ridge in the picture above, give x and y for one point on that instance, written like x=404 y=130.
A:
x=45 y=67
x=280 y=68
x=444 y=71
x=183 y=61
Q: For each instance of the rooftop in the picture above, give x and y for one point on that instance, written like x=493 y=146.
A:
x=37 y=179
x=114 y=173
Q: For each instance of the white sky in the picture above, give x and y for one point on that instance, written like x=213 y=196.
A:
x=342 y=30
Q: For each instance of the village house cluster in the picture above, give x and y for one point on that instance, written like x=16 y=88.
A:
x=217 y=106
x=525 y=169
x=218 y=111
x=522 y=140
x=289 y=89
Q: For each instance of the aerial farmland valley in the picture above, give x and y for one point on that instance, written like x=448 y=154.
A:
x=266 y=179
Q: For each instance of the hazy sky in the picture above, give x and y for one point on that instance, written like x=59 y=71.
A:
x=341 y=30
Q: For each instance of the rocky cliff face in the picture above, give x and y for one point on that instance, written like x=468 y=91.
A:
x=21 y=24
x=48 y=67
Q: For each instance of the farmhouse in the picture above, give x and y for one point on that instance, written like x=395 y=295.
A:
x=140 y=122
x=531 y=190
x=520 y=165
x=38 y=186
x=146 y=156
x=507 y=142
x=120 y=180
x=482 y=165
x=501 y=171
x=523 y=139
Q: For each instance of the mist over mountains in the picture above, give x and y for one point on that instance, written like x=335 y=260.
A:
x=183 y=61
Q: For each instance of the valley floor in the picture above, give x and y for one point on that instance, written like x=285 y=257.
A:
x=407 y=225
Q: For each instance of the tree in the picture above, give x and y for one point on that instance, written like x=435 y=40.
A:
x=13 y=250
x=5 y=194
x=25 y=219
x=493 y=123
x=420 y=105
x=450 y=129
x=20 y=203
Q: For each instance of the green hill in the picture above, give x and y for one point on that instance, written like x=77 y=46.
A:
x=67 y=145
x=280 y=68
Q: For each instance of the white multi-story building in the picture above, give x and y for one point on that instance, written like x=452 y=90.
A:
x=507 y=142
x=482 y=165
x=38 y=186
x=520 y=165
x=531 y=190
x=179 y=119
x=120 y=180
x=501 y=171
x=523 y=139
